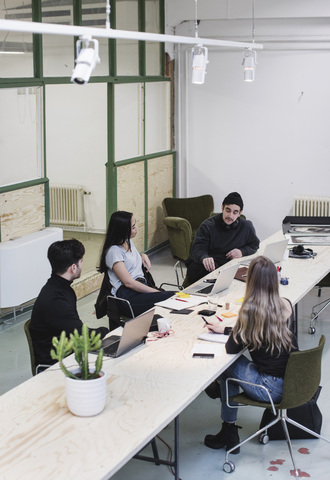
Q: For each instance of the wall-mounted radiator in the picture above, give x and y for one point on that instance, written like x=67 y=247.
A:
x=66 y=204
x=24 y=266
x=310 y=206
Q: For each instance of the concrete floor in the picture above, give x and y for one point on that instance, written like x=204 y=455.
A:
x=202 y=416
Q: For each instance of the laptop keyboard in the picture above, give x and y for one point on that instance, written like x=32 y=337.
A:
x=207 y=289
x=111 y=350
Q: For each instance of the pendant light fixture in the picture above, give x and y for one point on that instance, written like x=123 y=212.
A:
x=199 y=57
x=250 y=56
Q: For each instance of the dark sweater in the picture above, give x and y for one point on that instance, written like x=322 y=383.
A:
x=213 y=239
x=54 y=310
x=274 y=365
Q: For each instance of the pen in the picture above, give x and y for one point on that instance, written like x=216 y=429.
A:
x=207 y=323
x=180 y=300
x=220 y=319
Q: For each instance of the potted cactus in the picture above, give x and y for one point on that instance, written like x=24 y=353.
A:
x=85 y=385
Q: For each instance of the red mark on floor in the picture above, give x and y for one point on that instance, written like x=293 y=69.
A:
x=272 y=469
x=300 y=474
x=277 y=462
x=304 y=451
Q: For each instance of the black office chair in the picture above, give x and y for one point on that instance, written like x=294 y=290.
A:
x=34 y=368
x=325 y=282
x=179 y=275
x=301 y=381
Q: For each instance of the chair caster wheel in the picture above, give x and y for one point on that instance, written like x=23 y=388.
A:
x=263 y=438
x=311 y=330
x=228 y=467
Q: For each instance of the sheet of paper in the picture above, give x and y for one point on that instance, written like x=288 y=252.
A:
x=207 y=348
x=214 y=337
x=175 y=303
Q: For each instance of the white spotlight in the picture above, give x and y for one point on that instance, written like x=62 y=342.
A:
x=87 y=58
x=249 y=64
x=199 y=62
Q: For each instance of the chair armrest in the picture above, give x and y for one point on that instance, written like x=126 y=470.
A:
x=236 y=380
x=178 y=223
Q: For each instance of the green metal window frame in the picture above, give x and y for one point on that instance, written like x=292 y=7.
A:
x=39 y=80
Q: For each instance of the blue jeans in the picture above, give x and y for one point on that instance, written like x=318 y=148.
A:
x=140 y=302
x=244 y=369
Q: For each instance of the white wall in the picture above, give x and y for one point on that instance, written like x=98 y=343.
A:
x=269 y=139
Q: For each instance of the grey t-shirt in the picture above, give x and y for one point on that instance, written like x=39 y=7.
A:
x=132 y=260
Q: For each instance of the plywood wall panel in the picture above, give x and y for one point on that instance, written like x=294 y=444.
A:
x=160 y=185
x=131 y=196
x=22 y=212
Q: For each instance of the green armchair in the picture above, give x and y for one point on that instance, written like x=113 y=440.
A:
x=183 y=216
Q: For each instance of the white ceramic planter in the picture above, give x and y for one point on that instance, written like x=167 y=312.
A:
x=86 y=398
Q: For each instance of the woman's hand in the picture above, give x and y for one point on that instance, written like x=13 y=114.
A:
x=145 y=261
x=214 y=326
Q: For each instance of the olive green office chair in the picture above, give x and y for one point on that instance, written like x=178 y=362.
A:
x=34 y=368
x=301 y=380
x=182 y=217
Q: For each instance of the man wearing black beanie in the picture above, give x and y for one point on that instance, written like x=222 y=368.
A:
x=221 y=238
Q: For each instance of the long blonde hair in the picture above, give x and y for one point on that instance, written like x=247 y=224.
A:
x=263 y=317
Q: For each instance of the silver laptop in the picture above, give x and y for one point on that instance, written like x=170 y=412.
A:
x=135 y=332
x=222 y=282
x=274 y=251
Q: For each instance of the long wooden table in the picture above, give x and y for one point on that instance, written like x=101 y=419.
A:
x=146 y=389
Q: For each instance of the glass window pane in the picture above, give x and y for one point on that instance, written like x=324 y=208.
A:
x=152 y=16
x=127 y=50
x=158 y=117
x=78 y=116
x=16 y=52
x=153 y=65
x=153 y=50
x=128 y=121
x=94 y=15
x=20 y=135
x=58 y=50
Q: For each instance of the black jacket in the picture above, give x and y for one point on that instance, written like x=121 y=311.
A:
x=54 y=310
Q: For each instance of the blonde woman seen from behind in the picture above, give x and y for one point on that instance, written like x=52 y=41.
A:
x=264 y=325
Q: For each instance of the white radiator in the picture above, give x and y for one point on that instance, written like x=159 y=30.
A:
x=24 y=266
x=66 y=205
x=310 y=206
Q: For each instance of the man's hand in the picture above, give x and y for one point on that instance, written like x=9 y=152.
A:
x=209 y=264
x=235 y=253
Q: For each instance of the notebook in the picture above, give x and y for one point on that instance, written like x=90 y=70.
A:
x=222 y=282
x=135 y=332
x=274 y=251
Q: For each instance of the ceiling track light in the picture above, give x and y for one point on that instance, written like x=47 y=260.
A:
x=199 y=62
x=87 y=58
x=249 y=64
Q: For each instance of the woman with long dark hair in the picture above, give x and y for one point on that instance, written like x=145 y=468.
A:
x=123 y=263
x=264 y=326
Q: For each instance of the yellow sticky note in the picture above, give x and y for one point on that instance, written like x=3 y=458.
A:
x=182 y=295
x=240 y=300
x=228 y=314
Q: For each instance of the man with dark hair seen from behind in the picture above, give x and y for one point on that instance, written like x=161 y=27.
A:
x=221 y=238
x=56 y=306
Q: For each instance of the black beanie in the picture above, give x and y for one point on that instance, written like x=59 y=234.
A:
x=235 y=198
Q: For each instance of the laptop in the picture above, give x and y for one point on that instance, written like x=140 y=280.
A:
x=274 y=251
x=135 y=332
x=222 y=282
